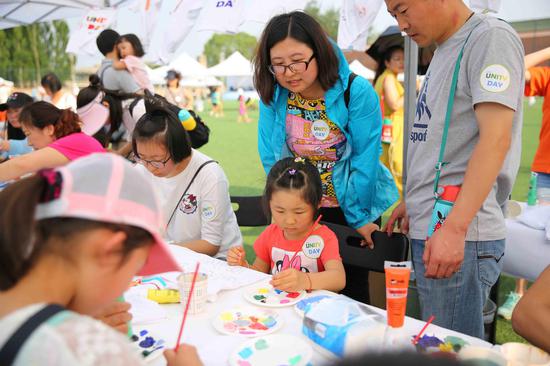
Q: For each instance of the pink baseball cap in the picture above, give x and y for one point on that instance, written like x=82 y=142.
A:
x=94 y=115
x=105 y=187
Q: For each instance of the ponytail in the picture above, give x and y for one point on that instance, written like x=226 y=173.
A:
x=18 y=202
x=67 y=124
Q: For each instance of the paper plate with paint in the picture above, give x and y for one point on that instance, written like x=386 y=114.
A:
x=247 y=321
x=301 y=305
x=272 y=350
x=147 y=345
x=266 y=295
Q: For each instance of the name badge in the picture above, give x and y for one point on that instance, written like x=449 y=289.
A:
x=320 y=130
x=313 y=246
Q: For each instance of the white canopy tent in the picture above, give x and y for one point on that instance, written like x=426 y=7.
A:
x=188 y=66
x=234 y=65
x=200 y=81
x=23 y=12
x=358 y=68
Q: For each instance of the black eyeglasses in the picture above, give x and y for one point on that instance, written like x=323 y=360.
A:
x=154 y=163
x=294 y=67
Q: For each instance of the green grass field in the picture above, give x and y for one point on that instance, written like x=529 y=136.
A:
x=234 y=146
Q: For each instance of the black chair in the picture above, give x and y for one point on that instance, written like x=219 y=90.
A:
x=359 y=261
x=249 y=211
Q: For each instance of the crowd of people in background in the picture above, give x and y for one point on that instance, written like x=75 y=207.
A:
x=325 y=152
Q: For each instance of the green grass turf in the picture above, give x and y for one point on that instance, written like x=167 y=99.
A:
x=234 y=146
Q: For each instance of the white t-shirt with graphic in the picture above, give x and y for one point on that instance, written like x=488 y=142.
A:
x=205 y=211
x=68 y=338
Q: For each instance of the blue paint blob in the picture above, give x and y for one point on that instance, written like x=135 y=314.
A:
x=147 y=342
x=245 y=353
x=142 y=333
x=278 y=291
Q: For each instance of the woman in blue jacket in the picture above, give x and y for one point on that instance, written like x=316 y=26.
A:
x=302 y=77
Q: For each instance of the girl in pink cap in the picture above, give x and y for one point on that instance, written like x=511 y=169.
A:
x=72 y=240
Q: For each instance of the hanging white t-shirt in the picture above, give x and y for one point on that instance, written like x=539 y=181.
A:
x=205 y=212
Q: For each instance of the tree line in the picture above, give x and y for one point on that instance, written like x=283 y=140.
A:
x=28 y=52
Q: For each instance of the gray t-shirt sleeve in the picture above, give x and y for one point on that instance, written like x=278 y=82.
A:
x=496 y=68
x=127 y=82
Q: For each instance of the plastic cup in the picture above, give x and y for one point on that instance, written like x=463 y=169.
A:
x=524 y=354
x=198 y=300
x=482 y=356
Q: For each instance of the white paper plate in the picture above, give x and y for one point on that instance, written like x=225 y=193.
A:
x=247 y=321
x=272 y=350
x=266 y=295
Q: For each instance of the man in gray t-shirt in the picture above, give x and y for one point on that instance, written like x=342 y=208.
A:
x=119 y=80
x=456 y=267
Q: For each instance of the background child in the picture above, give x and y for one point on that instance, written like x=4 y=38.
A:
x=216 y=101
x=130 y=51
x=88 y=228
x=243 y=113
x=293 y=194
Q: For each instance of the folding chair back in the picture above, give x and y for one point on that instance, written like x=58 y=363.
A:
x=359 y=260
x=249 y=211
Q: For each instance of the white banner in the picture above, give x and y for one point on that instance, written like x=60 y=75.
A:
x=83 y=39
x=223 y=16
x=146 y=14
x=179 y=17
x=356 y=16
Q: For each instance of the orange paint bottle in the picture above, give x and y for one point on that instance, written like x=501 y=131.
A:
x=397 y=284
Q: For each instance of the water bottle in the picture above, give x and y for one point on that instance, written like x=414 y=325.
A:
x=442 y=207
x=386 y=131
x=532 y=195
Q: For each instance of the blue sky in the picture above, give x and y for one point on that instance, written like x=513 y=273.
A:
x=511 y=10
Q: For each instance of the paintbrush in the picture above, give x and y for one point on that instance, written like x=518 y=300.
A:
x=417 y=338
x=187 y=305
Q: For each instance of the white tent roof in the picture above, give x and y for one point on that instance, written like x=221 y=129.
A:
x=200 y=81
x=7 y=83
x=22 y=12
x=234 y=65
x=187 y=66
x=157 y=75
x=358 y=68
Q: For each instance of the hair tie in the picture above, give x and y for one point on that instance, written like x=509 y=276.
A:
x=292 y=172
x=54 y=183
x=299 y=159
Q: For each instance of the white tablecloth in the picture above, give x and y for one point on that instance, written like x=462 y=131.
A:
x=527 y=251
x=215 y=348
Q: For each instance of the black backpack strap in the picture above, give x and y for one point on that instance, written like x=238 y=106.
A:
x=352 y=76
x=186 y=189
x=133 y=105
x=11 y=348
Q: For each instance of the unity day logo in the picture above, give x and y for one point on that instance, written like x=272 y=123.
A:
x=420 y=130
